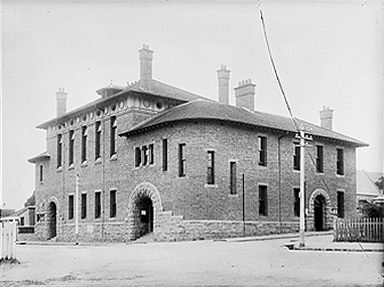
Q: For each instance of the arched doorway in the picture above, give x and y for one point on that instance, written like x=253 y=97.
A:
x=52 y=212
x=144 y=207
x=319 y=213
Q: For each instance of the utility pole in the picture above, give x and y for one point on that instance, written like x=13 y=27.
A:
x=77 y=209
x=303 y=138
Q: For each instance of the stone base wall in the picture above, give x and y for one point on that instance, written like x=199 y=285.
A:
x=26 y=237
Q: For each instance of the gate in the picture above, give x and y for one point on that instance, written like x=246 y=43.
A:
x=8 y=238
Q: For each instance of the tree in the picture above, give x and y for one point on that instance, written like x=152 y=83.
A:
x=380 y=183
x=30 y=201
x=371 y=210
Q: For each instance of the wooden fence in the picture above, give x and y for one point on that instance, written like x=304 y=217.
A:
x=359 y=230
x=8 y=238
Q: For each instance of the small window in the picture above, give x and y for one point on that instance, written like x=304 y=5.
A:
x=112 y=207
x=340 y=204
x=151 y=156
x=319 y=159
x=97 y=204
x=296 y=156
x=144 y=151
x=296 y=202
x=232 y=178
x=165 y=154
x=41 y=173
x=137 y=156
x=70 y=206
x=22 y=221
x=113 y=136
x=83 y=205
x=181 y=159
x=97 y=140
x=59 y=150
x=211 y=167
x=262 y=151
x=340 y=162
x=71 y=147
x=84 y=134
x=263 y=200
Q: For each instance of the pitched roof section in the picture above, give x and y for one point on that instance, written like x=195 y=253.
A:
x=152 y=87
x=42 y=155
x=365 y=183
x=165 y=90
x=205 y=110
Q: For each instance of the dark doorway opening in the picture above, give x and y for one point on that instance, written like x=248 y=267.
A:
x=143 y=216
x=52 y=220
x=319 y=213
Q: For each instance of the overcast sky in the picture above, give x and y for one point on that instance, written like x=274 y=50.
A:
x=326 y=54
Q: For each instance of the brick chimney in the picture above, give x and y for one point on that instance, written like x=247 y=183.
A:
x=61 y=102
x=145 y=56
x=326 y=117
x=223 y=76
x=245 y=95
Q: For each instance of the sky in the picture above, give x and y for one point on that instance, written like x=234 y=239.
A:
x=327 y=53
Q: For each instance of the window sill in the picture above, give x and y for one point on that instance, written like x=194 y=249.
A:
x=112 y=218
x=262 y=165
x=113 y=157
x=340 y=175
x=72 y=166
x=98 y=160
x=233 y=195
x=295 y=170
x=210 y=185
x=84 y=163
x=319 y=173
x=41 y=182
x=59 y=169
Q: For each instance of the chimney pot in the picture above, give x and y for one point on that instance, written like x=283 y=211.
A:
x=326 y=118
x=223 y=77
x=145 y=57
x=245 y=94
x=61 y=102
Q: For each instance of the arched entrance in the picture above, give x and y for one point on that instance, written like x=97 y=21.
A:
x=144 y=205
x=319 y=213
x=52 y=212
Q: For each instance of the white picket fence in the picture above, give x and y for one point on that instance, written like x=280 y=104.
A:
x=8 y=230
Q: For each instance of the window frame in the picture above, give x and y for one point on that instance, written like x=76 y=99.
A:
x=296 y=156
x=71 y=148
x=211 y=167
x=98 y=204
x=165 y=154
x=83 y=203
x=71 y=206
x=98 y=131
x=233 y=177
x=263 y=208
x=340 y=211
x=340 y=164
x=262 y=142
x=182 y=159
x=112 y=136
x=113 y=203
x=59 y=151
x=84 y=136
x=296 y=201
x=41 y=173
x=319 y=159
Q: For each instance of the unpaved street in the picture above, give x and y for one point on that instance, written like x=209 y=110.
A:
x=257 y=263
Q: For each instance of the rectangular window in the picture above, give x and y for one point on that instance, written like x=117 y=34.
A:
x=83 y=205
x=340 y=162
x=232 y=178
x=181 y=159
x=296 y=202
x=84 y=135
x=71 y=147
x=263 y=200
x=97 y=204
x=144 y=151
x=165 y=154
x=151 y=155
x=70 y=206
x=296 y=156
x=22 y=221
x=211 y=167
x=97 y=140
x=319 y=159
x=137 y=156
x=112 y=206
x=340 y=204
x=262 y=151
x=59 y=150
x=113 y=136
x=41 y=173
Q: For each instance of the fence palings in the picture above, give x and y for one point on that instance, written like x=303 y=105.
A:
x=359 y=229
x=8 y=239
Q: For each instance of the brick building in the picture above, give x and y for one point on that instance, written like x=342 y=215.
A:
x=154 y=158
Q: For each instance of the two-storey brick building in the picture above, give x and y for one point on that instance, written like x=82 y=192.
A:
x=153 y=158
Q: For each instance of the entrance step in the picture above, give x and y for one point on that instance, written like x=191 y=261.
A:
x=149 y=237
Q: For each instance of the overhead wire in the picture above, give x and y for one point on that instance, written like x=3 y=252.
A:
x=283 y=93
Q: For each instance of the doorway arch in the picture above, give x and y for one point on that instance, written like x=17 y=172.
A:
x=319 y=211
x=144 y=205
x=52 y=220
